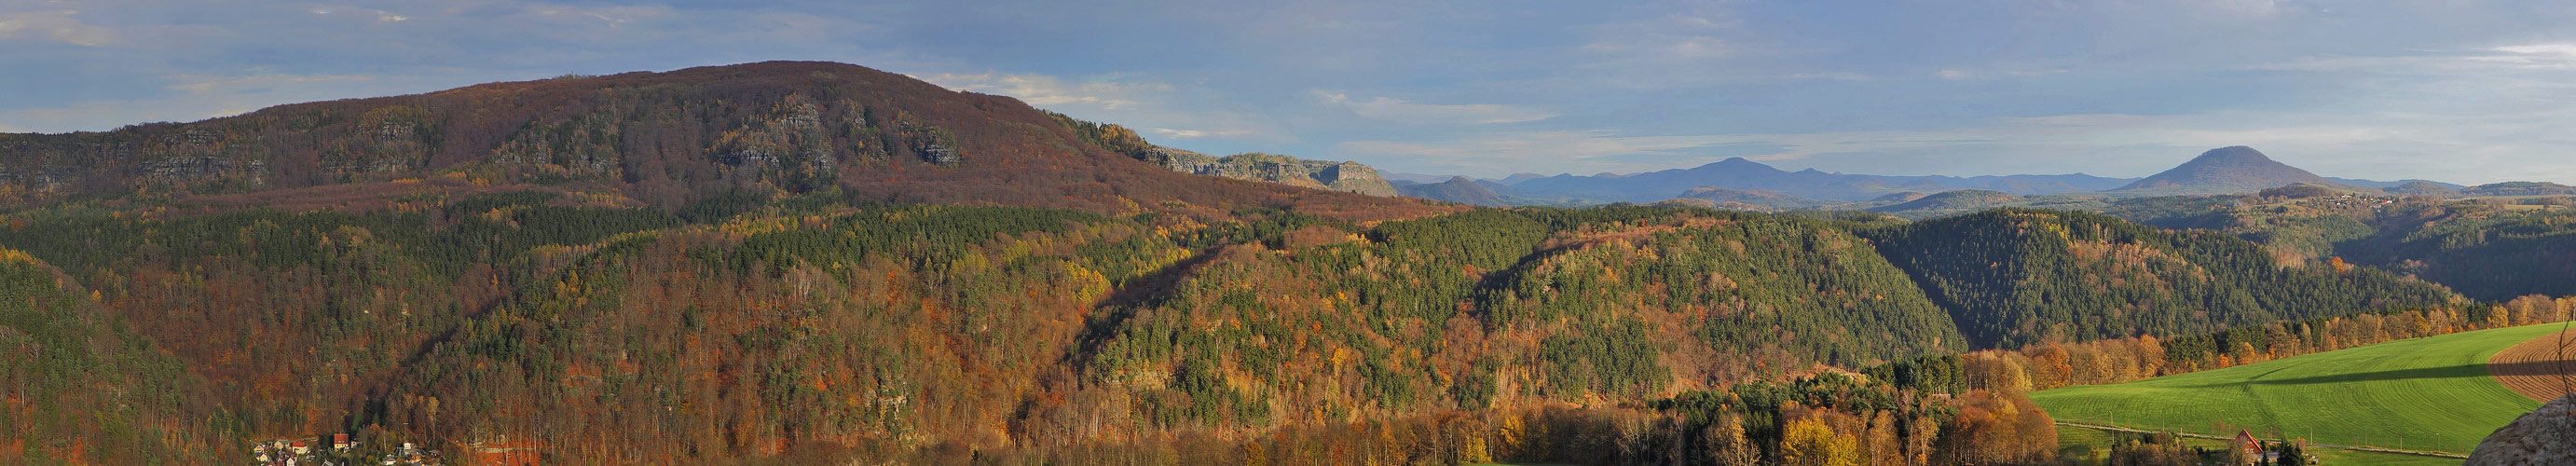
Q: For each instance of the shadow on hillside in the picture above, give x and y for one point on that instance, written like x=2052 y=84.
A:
x=2446 y=372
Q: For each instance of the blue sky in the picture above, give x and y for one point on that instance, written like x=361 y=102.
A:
x=2464 y=91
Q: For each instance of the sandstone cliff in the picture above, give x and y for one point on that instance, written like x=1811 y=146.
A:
x=2543 y=436
x=1319 y=174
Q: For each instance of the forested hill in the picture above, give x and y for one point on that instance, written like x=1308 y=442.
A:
x=669 y=139
x=2493 y=249
x=808 y=325
x=2015 y=276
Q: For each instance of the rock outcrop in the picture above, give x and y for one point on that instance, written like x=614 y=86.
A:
x=2543 y=436
x=1319 y=174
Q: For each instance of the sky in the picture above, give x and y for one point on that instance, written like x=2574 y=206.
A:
x=2457 y=91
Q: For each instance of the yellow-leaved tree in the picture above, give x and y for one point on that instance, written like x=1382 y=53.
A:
x=1809 y=442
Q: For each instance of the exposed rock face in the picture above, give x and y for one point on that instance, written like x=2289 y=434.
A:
x=2543 y=436
x=1337 y=176
x=932 y=144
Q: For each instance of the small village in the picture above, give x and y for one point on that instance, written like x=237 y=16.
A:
x=335 y=450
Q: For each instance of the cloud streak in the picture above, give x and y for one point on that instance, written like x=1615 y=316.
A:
x=1407 y=112
x=57 y=26
x=1050 y=91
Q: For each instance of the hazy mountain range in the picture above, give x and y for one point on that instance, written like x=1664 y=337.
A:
x=2228 y=170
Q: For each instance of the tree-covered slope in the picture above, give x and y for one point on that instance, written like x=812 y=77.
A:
x=2483 y=251
x=2018 y=276
x=79 y=386
x=2489 y=249
x=828 y=325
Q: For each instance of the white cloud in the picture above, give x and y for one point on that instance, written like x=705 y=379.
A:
x=1689 y=35
x=2557 y=56
x=380 y=16
x=57 y=26
x=1161 y=109
x=2448 y=63
x=2244 y=8
x=2559 y=49
x=1402 y=111
x=214 y=83
x=1194 y=134
x=1049 y=91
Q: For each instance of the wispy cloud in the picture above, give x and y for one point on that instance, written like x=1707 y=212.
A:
x=381 y=16
x=1050 y=91
x=1402 y=111
x=1161 y=109
x=57 y=25
x=1195 y=134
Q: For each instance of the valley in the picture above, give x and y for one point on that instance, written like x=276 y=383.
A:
x=807 y=262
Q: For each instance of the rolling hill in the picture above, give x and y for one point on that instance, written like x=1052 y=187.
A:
x=2491 y=249
x=1948 y=202
x=2018 y=276
x=1457 y=189
x=1767 y=199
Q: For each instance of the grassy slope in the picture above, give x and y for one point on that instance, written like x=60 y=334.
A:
x=2424 y=394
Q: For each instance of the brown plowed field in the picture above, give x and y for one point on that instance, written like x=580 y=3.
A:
x=2536 y=368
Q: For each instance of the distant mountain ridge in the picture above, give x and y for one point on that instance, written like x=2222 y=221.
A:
x=2226 y=170
x=1742 y=174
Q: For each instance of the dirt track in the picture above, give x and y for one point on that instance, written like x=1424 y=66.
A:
x=2537 y=368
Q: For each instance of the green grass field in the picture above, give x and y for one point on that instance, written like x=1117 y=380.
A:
x=2429 y=394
